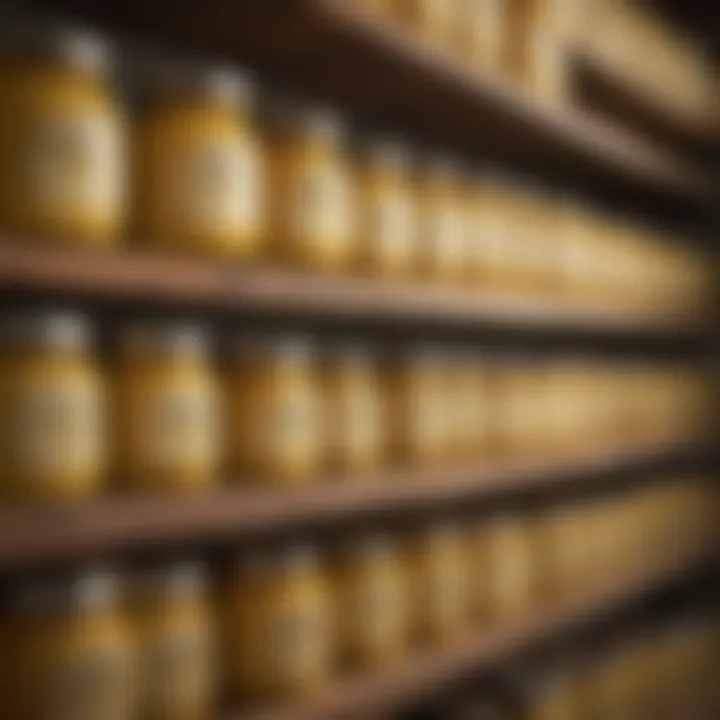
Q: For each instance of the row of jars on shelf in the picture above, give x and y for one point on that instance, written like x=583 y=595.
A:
x=281 y=622
x=659 y=673
x=524 y=40
x=205 y=178
x=160 y=415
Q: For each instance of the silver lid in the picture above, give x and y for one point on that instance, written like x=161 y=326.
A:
x=55 y=330
x=164 y=339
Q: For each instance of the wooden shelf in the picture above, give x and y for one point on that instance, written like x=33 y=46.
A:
x=425 y=674
x=335 y=50
x=134 y=277
x=32 y=537
x=602 y=87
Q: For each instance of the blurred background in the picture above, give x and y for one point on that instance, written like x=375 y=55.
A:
x=358 y=359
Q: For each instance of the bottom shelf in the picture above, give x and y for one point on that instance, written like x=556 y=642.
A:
x=370 y=695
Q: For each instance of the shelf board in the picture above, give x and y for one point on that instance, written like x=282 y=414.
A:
x=601 y=87
x=134 y=277
x=41 y=536
x=424 y=674
x=337 y=51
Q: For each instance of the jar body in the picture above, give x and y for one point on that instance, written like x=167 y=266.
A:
x=200 y=180
x=62 y=163
x=277 y=632
x=432 y=19
x=480 y=33
x=168 y=436
x=275 y=419
x=52 y=427
x=312 y=211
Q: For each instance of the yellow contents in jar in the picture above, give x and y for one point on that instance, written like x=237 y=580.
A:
x=52 y=434
x=172 y=619
x=372 y=603
x=433 y=19
x=277 y=626
x=275 y=411
x=313 y=208
x=68 y=652
x=436 y=571
x=488 y=253
x=61 y=137
x=387 y=227
x=353 y=411
x=481 y=32
x=166 y=407
x=443 y=251
x=200 y=169
x=417 y=417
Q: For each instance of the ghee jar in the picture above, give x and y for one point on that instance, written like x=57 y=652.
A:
x=68 y=651
x=275 y=410
x=171 y=615
x=312 y=203
x=436 y=568
x=199 y=175
x=417 y=417
x=166 y=409
x=443 y=251
x=353 y=416
x=508 y=565
x=386 y=215
x=62 y=136
x=432 y=19
x=277 y=626
x=52 y=409
x=468 y=411
x=372 y=603
x=480 y=36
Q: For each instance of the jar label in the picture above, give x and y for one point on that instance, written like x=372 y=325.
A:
x=296 y=642
x=446 y=238
x=77 y=163
x=359 y=419
x=59 y=427
x=445 y=590
x=94 y=684
x=292 y=422
x=180 y=427
x=376 y=608
x=219 y=184
x=391 y=228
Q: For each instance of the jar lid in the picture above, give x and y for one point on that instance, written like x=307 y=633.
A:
x=153 y=339
x=387 y=152
x=296 y=347
x=287 y=116
x=51 y=329
x=73 y=47
x=180 y=579
x=371 y=545
x=443 y=167
x=351 y=352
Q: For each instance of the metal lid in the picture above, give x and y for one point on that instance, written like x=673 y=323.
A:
x=296 y=347
x=154 y=339
x=386 y=152
x=178 y=580
x=54 y=330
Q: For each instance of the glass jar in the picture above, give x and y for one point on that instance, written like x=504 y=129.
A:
x=387 y=229
x=481 y=33
x=437 y=578
x=468 y=409
x=312 y=203
x=353 y=411
x=68 y=651
x=443 y=252
x=200 y=172
x=166 y=409
x=277 y=626
x=52 y=413
x=171 y=612
x=418 y=423
x=372 y=603
x=62 y=136
x=275 y=411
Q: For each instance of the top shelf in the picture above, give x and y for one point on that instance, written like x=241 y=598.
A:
x=335 y=50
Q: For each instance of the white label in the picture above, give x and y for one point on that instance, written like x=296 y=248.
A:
x=77 y=161
x=59 y=426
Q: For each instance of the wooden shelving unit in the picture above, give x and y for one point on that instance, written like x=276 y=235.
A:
x=340 y=52
x=33 y=537
x=423 y=675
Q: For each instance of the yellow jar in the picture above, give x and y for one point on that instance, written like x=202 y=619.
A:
x=372 y=603
x=200 y=176
x=171 y=613
x=277 y=626
x=508 y=566
x=481 y=33
x=443 y=251
x=488 y=260
x=417 y=418
x=166 y=409
x=432 y=19
x=275 y=411
x=386 y=227
x=353 y=411
x=468 y=407
x=62 y=145
x=52 y=409
x=519 y=408
x=68 y=652
x=312 y=205
x=437 y=581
